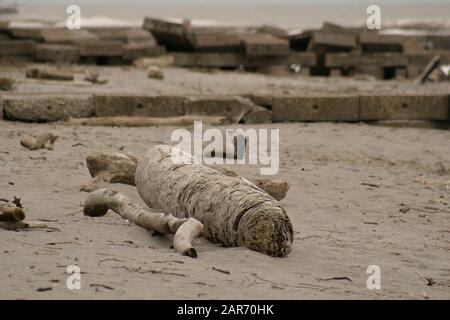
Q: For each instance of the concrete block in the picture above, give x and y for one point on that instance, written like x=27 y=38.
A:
x=57 y=53
x=17 y=48
x=234 y=60
x=316 y=108
x=375 y=42
x=214 y=39
x=100 y=48
x=170 y=34
x=47 y=107
x=65 y=36
x=134 y=51
x=113 y=105
x=332 y=41
x=265 y=45
x=404 y=107
x=345 y=60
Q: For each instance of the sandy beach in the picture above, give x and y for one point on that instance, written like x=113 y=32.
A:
x=359 y=195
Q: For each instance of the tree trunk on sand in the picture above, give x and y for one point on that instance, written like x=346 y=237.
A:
x=234 y=211
x=121 y=168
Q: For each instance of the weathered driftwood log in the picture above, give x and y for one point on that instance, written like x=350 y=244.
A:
x=22 y=225
x=234 y=211
x=11 y=214
x=185 y=229
x=42 y=141
x=36 y=73
x=121 y=168
x=147 y=121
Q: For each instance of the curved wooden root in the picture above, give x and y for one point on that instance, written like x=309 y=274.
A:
x=42 y=141
x=185 y=230
x=110 y=167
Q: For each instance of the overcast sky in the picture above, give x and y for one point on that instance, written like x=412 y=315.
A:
x=211 y=2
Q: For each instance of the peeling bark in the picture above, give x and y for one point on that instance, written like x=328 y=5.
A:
x=234 y=211
x=121 y=168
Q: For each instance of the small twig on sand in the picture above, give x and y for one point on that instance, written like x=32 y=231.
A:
x=336 y=278
x=152 y=271
x=373 y=185
x=97 y=286
x=221 y=270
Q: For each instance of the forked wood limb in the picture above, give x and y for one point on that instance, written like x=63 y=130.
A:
x=184 y=229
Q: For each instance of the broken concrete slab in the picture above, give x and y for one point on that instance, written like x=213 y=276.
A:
x=274 y=31
x=124 y=35
x=44 y=107
x=329 y=27
x=346 y=60
x=100 y=48
x=235 y=60
x=214 y=39
x=332 y=41
x=57 y=53
x=209 y=60
x=113 y=105
x=404 y=107
x=300 y=41
x=316 y=108
x=258 y=115
x=168 y=33
x=33 y=33
x=17 y=48
x=260 y=44
x=376 y=42
x=440 y=42
x=65 y=36
x=133 y=51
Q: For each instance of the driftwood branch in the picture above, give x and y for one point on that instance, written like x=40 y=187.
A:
x=147 y=121
x=36 y=73
x=11 y=214
x=428 y=70
x=21 y=225
x=184 y=229
x=42 y=141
